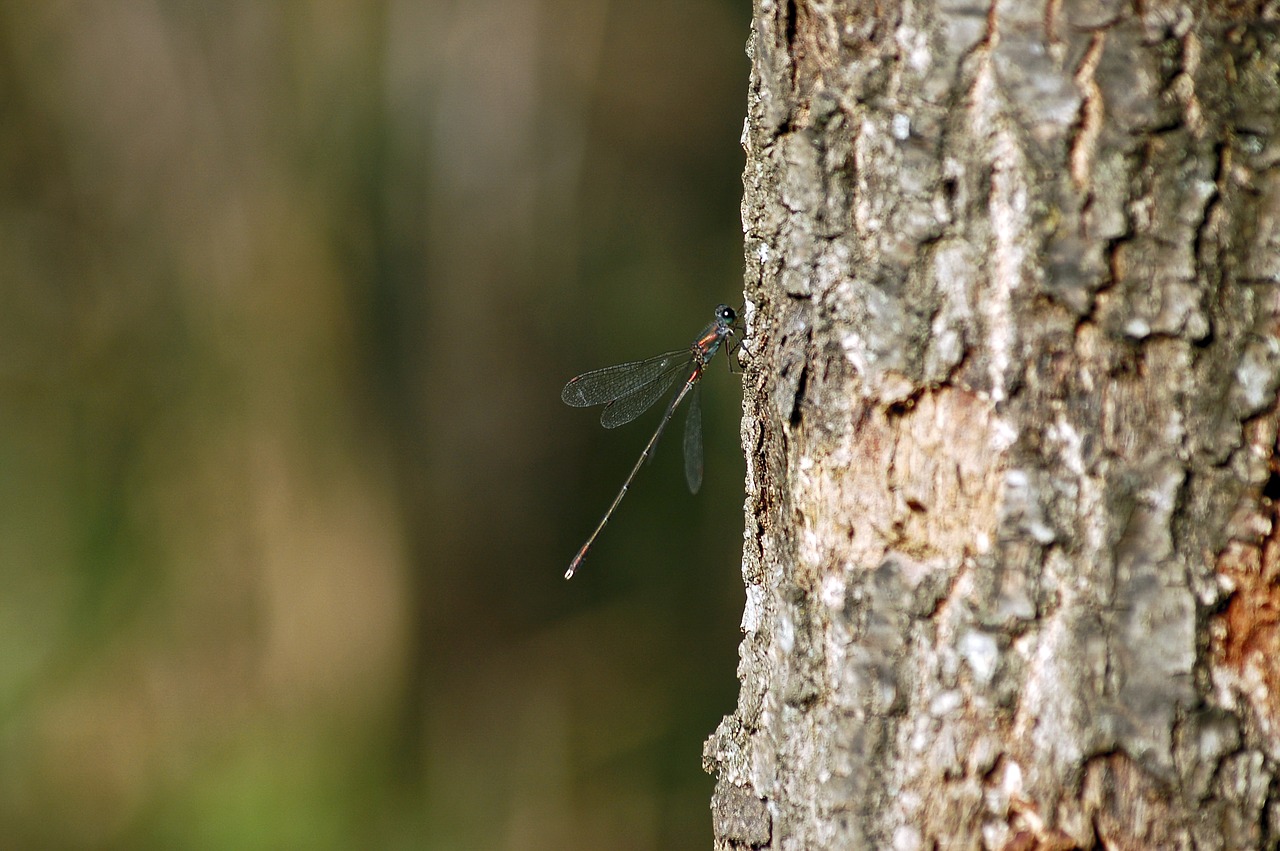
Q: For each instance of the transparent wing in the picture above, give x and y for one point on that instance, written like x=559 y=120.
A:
x=613 y=382
x=626 y=408
x=693 y=442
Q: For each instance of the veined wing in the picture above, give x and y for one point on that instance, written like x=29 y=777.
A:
x=601 y=386
x=626 y=408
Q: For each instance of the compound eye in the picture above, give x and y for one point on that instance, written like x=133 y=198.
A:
x=726 y=313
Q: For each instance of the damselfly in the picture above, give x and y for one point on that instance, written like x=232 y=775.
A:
x=629 y=389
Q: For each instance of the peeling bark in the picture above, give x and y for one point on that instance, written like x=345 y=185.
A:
x=1012 y=565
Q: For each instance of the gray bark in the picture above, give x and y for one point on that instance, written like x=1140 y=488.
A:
x=1012 y=558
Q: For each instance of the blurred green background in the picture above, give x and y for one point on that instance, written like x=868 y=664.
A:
x=288 y=292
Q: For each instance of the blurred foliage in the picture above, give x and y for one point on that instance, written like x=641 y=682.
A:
x=287 y=295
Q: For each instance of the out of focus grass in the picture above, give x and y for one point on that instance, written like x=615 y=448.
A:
x=287 y=294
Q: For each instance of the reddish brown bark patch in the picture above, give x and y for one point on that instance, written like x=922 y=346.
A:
x=1245 y=642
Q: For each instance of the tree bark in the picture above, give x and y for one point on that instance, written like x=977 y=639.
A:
x=1012 y=558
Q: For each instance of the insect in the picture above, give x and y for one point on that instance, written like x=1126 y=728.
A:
x=629 y=389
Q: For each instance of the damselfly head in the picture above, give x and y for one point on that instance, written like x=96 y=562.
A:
x=725 y=314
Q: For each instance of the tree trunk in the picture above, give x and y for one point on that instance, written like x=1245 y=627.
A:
x=1012 y=559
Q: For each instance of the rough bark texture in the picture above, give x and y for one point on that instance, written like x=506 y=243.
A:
x=1012 y=558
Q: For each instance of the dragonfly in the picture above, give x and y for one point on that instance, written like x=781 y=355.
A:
x=629 y=389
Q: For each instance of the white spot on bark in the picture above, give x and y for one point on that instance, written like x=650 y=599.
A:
x=945 y=703
x=1003 y=435
x=915 y=46
x=981 y=652
x=786 y=634
x=1070 y=445
x=1137 y=328
x=995 y=834
x=753 y=611
x=907 y=838
x=855 y=351
x=832 y=593
x=1012 y=783
x=1256 y=373
x=901 y=126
